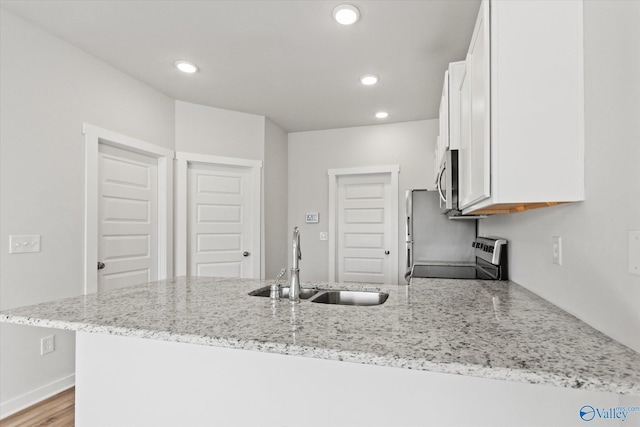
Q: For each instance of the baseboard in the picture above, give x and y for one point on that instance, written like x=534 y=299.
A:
x=26 y=400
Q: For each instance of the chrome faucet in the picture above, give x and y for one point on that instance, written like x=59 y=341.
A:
x=294 y=277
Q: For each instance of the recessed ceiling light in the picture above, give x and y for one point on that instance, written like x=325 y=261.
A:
x=186 y=66
x=382 y=114
x=369 y=79
x=346 y=14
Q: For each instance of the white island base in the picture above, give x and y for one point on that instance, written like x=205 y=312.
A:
x=125 y=381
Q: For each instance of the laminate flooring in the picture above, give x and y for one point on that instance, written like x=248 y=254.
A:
x=56 y=411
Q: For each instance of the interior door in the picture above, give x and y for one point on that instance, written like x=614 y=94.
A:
x=364 y=246
x=219 y=226
x=128 y=218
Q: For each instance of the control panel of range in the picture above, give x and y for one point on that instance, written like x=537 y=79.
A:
x=490 y=249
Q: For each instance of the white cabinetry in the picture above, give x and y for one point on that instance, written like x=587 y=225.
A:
x=456 y=74
x=522 y=113
x=475 y=150
x=449 y=123
x=442 y=143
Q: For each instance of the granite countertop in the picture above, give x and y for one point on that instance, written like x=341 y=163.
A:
x=487 y=329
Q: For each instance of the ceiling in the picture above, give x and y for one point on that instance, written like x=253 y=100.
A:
x=286 y=60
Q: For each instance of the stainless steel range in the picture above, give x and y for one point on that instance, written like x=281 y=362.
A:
x=440 y=247
x=490 y=263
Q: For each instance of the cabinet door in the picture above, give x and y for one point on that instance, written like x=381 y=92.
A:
x=444 y=113
x=442 y=143
x=436 y=161
x=456 y=74
x=464 y=153
x=475 y=153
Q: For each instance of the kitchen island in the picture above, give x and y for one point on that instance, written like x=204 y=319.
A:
x=201 y=351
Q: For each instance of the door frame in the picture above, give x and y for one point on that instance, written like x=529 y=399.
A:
x=183 y=160
x=334 y=174
x=93 y=136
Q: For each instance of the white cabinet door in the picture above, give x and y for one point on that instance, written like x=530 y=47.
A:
x=444 y=114
x=464 y=152
x=456 y=74
x=475 y=153
x=522 y=143
x=442 y=142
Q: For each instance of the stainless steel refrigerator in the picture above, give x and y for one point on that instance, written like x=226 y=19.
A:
x=435 y=242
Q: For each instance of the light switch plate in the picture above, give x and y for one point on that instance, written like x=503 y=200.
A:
x=24 y=243
x=324 y=235
x=634 y=252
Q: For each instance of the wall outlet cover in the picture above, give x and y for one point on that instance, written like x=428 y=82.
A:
x=634 y=252
x=47 y=345
x=556 y=249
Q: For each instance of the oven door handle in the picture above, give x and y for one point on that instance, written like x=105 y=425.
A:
x=488 y=273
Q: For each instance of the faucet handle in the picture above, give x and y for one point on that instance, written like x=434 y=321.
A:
x=274 y=291
x=281 y=275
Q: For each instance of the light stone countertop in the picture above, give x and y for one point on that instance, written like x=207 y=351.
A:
x=478 y=328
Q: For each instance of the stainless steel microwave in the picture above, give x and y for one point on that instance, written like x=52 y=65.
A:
x=447 y=184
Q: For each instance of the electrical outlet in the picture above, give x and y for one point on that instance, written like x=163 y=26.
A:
x=47 y=345
x=634 y=252
x=556 y=249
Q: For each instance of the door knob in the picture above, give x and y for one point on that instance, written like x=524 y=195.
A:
x=245 y=253
x=100 y=265
x=386 y=252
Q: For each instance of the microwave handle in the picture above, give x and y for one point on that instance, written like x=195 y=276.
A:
x=439 y=184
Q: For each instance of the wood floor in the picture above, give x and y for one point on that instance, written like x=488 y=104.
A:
x=57 y=411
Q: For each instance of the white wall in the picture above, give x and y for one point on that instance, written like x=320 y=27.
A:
x=593 y=282
x=275 y=199
x=48 y=88
x=410 y=145
x=217 y=132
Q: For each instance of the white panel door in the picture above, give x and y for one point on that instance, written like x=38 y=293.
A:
x=128 y=223
x=364 y=228
x=219 y=226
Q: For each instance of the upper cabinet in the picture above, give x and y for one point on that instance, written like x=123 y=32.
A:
x=521 y=107
x=456 y=73
x=449 y=123
x=475 y=148
x=442 y=142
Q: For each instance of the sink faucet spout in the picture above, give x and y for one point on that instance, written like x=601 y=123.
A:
x=294 y=277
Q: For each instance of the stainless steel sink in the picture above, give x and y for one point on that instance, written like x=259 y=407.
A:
x=305 y=293
x=362 y=298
